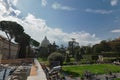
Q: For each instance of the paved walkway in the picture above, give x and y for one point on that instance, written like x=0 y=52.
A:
x=33 y=71
x=37 y=72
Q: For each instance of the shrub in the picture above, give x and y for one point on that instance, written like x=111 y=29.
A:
x=87 y=59
x=94 y=57
x=55 y=57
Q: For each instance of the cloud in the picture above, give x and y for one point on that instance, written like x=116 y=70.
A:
x=44 y=2
x=38 y=29
x=7 y=7
x=99 y=11
x=58 y=6
x=12 y=2
x=114 y=2
x=116 y=31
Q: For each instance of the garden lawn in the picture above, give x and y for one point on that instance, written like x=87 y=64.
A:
x=43 y=61
x=94 y=68
x=117 y=79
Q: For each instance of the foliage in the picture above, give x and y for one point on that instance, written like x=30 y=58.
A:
x=24 y=41
x=73 y=47
x=117 y=79
x=107 y=46
x=82 y=51
x=34 y=43
x=67 y=58
x=115 y=46
x=86 y=49
x=102 y=47
x=87 y=59
x=43 y=52
x=95 y=57
x=95 y=68
x=55 y=57
x=52 y=47
x=108 y=54
x=96 y=48
x=78 y=56
x=11 y=29
x=41 y=60
x=62 y=50
x=109 y=59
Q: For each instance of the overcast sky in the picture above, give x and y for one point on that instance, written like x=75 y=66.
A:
x=88 y=21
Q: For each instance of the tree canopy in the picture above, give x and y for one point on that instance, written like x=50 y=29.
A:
x=12 y=29
x=34 y=42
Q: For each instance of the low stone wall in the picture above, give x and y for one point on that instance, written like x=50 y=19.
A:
x=17 y=61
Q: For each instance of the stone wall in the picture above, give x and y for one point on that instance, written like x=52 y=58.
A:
x=4 y=48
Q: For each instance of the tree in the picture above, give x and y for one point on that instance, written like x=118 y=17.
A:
x=67 y=57
x=71 y=46
x=62 y=50
x=88 y=50
x=34 y=43
x=115 y=46
x=105 y=46
x=24 y=41
x=52 y=47
x=82 y=50
x=77 y=55
x=43 y=52
x=95 y=57
x=56 y=57
x=11 y=29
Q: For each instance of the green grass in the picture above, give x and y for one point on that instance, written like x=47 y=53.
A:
x=43 y=61
x=117 y=79
x=94 y=68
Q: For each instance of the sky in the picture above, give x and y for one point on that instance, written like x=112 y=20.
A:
x=88 y=21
